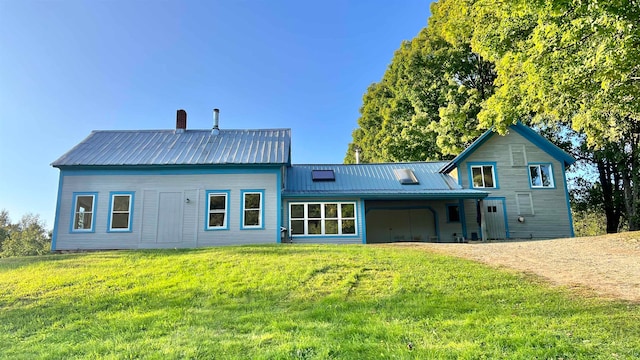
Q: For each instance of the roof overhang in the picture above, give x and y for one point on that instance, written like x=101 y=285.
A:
x=431 y=195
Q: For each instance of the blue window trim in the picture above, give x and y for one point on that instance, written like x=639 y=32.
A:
x=73 y=213
x=132 y=196
x=447 y=206
x=356 y=215
x=553 y=181
x=363 y=221
x=261 y=217
x=496 y=183
x=227 y=194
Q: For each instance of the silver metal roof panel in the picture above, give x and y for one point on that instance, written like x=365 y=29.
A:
x=376 y=179
x=192 y=147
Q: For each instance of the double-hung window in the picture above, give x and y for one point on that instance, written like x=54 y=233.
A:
x=120 y=211
x=483 y=176
x=541 y=176
x=336 y=218
x=83 y=217
x=217 y=210
x=252 y=209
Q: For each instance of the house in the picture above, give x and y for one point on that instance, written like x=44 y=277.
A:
x=191 y=188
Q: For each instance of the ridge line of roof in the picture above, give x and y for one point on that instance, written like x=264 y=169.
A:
x=365 y=164
x=187 y=130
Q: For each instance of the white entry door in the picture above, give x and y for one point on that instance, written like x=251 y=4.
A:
x=494 y=216
x=170 y=217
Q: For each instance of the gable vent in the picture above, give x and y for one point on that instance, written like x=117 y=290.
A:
x=406 y=176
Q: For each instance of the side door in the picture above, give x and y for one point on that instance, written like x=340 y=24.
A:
x=495 y=215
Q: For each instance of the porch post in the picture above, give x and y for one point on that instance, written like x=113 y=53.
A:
x=483 y=223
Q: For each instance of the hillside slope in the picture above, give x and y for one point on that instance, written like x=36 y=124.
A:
x=297 y=302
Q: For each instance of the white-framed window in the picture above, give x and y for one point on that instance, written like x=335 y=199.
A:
x=322 y=219
x=453 y=213
x=217 y=210
x=83 y=212
x=252 y=209
x=483 y=176
x=120 y=211
x=541 y=176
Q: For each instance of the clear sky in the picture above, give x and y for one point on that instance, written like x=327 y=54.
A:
x=69 y=67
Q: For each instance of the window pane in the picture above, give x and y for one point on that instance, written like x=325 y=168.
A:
x=545 y=171
x=454 y=213
x=488 y=176
x=82 y=221
x=535 y=175
x=217 y=202
x=331 y=226
x=331 y=211
x=476 y=172
x=348 y=211
x=251 y=217
x=84 y=204
x=314 y=227
x=348 y=227
x=297 y=227
x=251 y=201
x=314 y=210
x=121 y=203
x=297 y=211
x=216 y=219
x=120 y=221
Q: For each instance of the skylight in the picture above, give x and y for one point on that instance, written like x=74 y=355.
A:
x=323 y=175
x=406 y=176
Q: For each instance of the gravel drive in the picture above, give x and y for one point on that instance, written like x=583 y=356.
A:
x=607 y=265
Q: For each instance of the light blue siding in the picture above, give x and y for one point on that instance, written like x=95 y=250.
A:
x=148 y=187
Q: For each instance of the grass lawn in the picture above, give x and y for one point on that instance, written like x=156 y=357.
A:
x=297 y=302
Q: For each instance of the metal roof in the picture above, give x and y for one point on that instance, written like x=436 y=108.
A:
x=191 y=147
x=377 y=180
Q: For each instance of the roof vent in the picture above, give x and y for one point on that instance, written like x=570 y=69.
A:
x=323 y=175
x=406 y=176
x=181 y=121
x=216 y=120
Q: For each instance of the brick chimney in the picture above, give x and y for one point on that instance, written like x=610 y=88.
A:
x=181 y=121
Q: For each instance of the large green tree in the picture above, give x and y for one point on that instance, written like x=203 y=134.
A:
x=29 y=236
x=575 y=62
x=425 y=106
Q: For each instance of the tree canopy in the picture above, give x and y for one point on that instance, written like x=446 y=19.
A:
x=482 y=64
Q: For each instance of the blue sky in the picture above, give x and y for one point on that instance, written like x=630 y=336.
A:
x=69 y=67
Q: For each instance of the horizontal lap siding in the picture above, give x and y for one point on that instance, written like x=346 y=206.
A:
x=551 y=217
x=145 y=210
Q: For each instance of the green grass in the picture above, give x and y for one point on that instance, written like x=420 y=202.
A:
x=298 y=302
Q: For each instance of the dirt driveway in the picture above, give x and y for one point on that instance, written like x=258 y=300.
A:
x=609 y=265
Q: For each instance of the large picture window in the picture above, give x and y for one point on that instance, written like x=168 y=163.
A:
x=335 y=218
x=83 y=216
x=217 y=210
x=541 y=176
x=483 y=176
x=120 y=211
x=252 y=209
